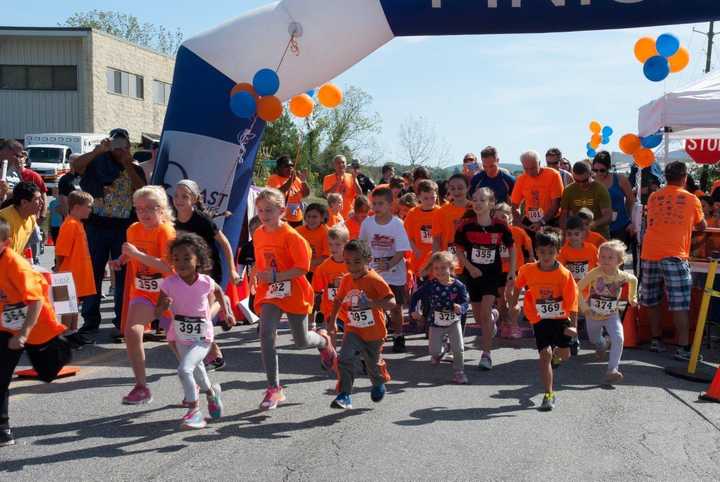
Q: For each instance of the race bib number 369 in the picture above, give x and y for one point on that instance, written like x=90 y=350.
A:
x=550 y=309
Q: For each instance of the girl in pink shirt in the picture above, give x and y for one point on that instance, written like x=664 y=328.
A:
x=188 y=294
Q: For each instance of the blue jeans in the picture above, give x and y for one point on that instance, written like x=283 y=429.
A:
x=105 y=242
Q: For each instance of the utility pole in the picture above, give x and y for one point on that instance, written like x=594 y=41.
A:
x=710 y=36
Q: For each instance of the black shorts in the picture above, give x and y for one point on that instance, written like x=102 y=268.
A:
x=551 y=333
x=487 y=284
x=400 y=294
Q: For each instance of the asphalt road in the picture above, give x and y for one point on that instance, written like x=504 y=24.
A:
x=649 y=427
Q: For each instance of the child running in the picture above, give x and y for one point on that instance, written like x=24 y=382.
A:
x=448 y=300
x=551 y=305
x=364 y=296
x=418 y=224
x=145 y=254
x=282 y=260
x=587 y=217
x=478 y=244
x=600 y=291
x=315 y=232
x=326 y=280
x=577 y=255
x=447 y=219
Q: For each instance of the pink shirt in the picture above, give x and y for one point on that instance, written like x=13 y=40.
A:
x=190 y=301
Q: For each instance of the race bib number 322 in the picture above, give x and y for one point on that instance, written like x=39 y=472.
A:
x=281 y=289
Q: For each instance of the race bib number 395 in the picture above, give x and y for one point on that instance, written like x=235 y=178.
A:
x=361 y=318
x=13 y=316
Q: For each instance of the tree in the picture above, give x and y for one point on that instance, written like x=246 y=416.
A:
x=128 y=27
x=420 y=143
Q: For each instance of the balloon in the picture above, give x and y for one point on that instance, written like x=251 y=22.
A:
x=311 y=92
x=301 y=105
x=657 y=68
x=595 y=140
x=595 y=127
x=243 y=105
x=243 y=87
x=644 y=158
x=630 y=143
x=644 y=49
x=607 y=131
x=591 y=153
x=269 y=108
x=266 y=82
x=667 y=45
x=330 y=96
x=588 y=146
x=605 y=140
x=680 y=60
x=651 y=142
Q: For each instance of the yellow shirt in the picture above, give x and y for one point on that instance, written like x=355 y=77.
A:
x=20 y=229
x=599 y=292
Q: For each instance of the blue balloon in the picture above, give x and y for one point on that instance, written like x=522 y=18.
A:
x=243 y=105
x=667 y=45
x=591 y=153
x=607 y=131
x=588 y=146
x=657 y=68
x=605 y=140
x=651 y=142
x=311 y=92
x=266 y=82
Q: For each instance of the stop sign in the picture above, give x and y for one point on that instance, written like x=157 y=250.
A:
x=703 y=151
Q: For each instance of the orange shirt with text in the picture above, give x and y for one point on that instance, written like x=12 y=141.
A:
x=418 y=226
x=672 y=213
x=72 y=245
x=354 y=295
x=538 y=192
x=522 y=243
x=326 y=280
x=293 y=198
x=541 y=287
x=346 y=190
x=153 y=242
x=579 y=261
x=318 y=240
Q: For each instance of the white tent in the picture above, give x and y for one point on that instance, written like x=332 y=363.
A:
x=691 y=112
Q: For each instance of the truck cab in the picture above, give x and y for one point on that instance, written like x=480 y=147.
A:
x=51 y=161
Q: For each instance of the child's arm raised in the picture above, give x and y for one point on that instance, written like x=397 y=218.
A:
x=130 y=251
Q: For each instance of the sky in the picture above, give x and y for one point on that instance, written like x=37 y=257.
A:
x=515 y=92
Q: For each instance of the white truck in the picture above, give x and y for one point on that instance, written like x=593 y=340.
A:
x=49 y=154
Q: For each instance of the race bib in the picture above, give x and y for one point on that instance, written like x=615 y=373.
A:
x=550 y=310
x=190 y=329
x=13 y=316
x=534 y=215
x=578 y=270
x=426 y=235
x=603 y=306
x=332 y=293
x=483 y=255
x=361 y=318
x=148 y=282
x=280 y=289
x=452 y=250
x=445 y=318
x=504 y=252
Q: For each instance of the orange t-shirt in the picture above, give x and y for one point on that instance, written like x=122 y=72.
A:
x=550 y=294
x=522 y=242
x=318 y=240
x=293 y=198
x=418 y=226
x=368 y=323
x=353 y=228
x=334 y=219
x=346 y=190
x=672 y=213
x=444 y=225
x=145 y=281
x=579 y=261
x=73 y=246
x=326 y=280
x=595 y=238
x=538 y=193
x=20 y=284
x=283 y=249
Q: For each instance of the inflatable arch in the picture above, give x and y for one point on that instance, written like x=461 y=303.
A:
x=204 y=141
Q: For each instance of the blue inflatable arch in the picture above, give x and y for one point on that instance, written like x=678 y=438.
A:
x=204 y=141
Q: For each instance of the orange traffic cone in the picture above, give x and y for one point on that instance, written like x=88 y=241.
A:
x=630 y=327
x=713 y=393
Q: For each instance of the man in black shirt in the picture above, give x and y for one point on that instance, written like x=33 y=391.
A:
x=366 y=185
x=68 y=183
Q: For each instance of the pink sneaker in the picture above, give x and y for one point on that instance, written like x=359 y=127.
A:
x=515 y=332
x=138 y=395
x=328 y=355
x=460 y=378
x=186 y=404
x=273 y=396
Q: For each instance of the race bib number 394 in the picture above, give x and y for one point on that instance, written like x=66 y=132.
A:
x=190 y=328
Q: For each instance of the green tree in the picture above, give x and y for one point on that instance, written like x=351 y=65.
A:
x=128 y=27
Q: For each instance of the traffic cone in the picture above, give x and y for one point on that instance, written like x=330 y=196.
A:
x=713 y=393
x=630 y=327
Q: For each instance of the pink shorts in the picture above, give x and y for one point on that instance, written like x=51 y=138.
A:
x=141 y=300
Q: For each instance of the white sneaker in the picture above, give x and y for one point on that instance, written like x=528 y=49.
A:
x=485 y=362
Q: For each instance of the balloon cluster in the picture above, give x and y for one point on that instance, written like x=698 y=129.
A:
x=641 y=148
x=329 y=95
x=600 y=135
x=662 y=56
x=258 y=98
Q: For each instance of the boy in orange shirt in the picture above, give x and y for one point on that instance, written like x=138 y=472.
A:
x=365 y=296
x=593 y=237
x=551 y=305
x=315 y=231
x=327 y=276
x=405 y=204
x=71 y=248
x=335 y=209
x=361 y=210
x=578 y=255
x=28 y=320
x=418 y=224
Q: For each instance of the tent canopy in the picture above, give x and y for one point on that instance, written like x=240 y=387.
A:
x=691 y=112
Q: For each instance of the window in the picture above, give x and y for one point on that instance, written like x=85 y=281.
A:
x=124 y=83
x=161 y=92
x=38 y=77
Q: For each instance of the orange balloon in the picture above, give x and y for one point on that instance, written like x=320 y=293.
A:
x=630 y=144
x=595 y=127
x=680 y=60
x=644 y=158
x=595 y=141
x=244 y=87
x=645 y=48
x=269 y=108
x=330 y=95
x=302 y=105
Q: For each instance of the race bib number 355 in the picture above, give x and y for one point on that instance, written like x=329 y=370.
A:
x=13 y=316
x=483 y=255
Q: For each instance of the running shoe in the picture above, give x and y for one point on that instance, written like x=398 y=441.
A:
x=684 y=355
x=494 y=317
x=575 y=346
x=656 y=346
x=613 y=376
x=399 y=344
x=485 y=362
x=515 y=332
x=6 y=437
x=377 y=393
x=328 y=355
x=273 y=396
x=215 y=405
x=193 y=419
x=602 y=348
x=548 y=402
x=138 y=396
x=460 y=378
x=215 y=365
x=342 y=401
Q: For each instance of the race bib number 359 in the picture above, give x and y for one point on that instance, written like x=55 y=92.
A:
x=150 y=283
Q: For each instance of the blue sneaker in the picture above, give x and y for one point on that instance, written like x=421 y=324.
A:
x=377 y=393
x=215 y=405
x=343 y=400
x=193 y=419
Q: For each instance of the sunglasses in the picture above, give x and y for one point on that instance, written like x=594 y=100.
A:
x=552 y=163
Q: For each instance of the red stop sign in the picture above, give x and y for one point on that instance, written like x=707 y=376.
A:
x=703 y=151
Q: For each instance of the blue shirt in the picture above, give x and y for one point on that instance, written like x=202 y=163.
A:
x=55 y=218
x=439 y=297
x=502 y=184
